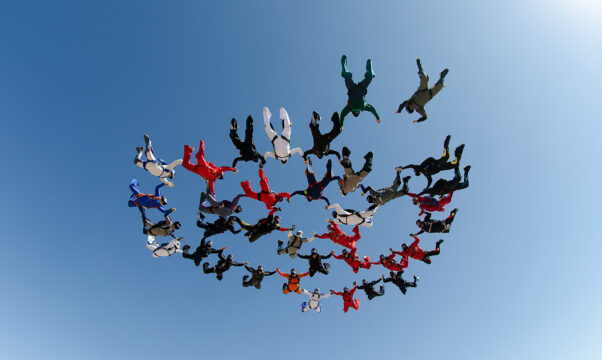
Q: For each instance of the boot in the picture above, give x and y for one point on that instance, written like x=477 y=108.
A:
x=146 y=139
x=344 y=72
x=369 y=155
x=346 y=152
x=442 y=75
x=233 y=124
x=439 y=243
x=369 y=71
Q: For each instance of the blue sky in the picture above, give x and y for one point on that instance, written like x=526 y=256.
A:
x=83 y=81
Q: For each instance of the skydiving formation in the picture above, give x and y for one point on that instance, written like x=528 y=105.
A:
x=220 y=213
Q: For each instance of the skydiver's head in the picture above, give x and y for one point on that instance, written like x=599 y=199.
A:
x=221 y=176
x=370 y=199
x=314 y=251
x=404 y=246
x=345 y=252
x=231 y=220
x=230 y=257
x=356 y=113
x=309 y=199
x=316 y=291
x=392 y=274
x=177 y=225
x=419 y=223
x=163 y=200
x=417 y=172
x=415 y=200
x=171 y=174
x=260 y=268
x=364 y=281
x=382 y=257
x=345 y=289
x=330 y=227
x=299 y=233
x=334 y=214
x=293 y=272
x=277 y=218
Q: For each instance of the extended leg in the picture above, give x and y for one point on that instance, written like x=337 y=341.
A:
x=234 y=134
x=286 y=126
x=267 y=125
x=263 y=182
x=149 y=152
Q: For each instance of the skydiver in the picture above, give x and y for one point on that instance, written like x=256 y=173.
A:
x=224 y=264
x=348 y=300
x=315 y=189
x=443 y=186
x=156 y=167
x=322 y=141
x=423 y=95
x=281 y=143
x=314 y=300
x=353 y=217
x=202 y=251
x=292 y=285
x=294 y=243
x=397 y=279
x=368 y=288
x=263 y=227
x=429 y=203
x=351 y=180
x=162 y=228
x=219 y=226
x=384 y=195
x=352 y=260
x=267 y=196
x=315 y=262
x=415 y=252
x=256 y=276
x=435 y=226
x=222 y=208
x=431 y=166
x=164 y=249
x=207 y=170
x=339 y=237
x=148 y=201
x=246 y=148
x=390 y=263
x=356 y=101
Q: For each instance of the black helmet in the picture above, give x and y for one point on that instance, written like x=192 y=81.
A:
x=177 y=225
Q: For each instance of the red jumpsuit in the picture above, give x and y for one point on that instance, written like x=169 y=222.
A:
x=348 y=300
x=430 y=204
x=205 y=169
x=391 y=264
x=352 y=260
x=268 y=197
x=339 y=237
x=414 y=251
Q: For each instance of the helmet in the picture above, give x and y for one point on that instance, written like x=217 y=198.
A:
x=299 y=233
x=316 y=290
x=177 y=225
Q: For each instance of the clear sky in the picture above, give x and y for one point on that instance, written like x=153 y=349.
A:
x=81 y=82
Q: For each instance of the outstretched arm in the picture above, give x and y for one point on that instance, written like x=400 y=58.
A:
x=325 y=199
x=174 y=164
x=282 y=274
x=297 y=150
x=371 y=108
x=401 y=106
x=158 y=189
x=346 y=110
x=421 y=112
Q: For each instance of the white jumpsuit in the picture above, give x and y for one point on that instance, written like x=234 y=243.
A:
x=165 y=249
x=363 y=218
x=314 y=301
x=281 y=143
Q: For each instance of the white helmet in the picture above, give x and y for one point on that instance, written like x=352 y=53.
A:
x=299 y=233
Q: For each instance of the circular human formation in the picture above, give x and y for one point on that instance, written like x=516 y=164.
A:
x=433 y=198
